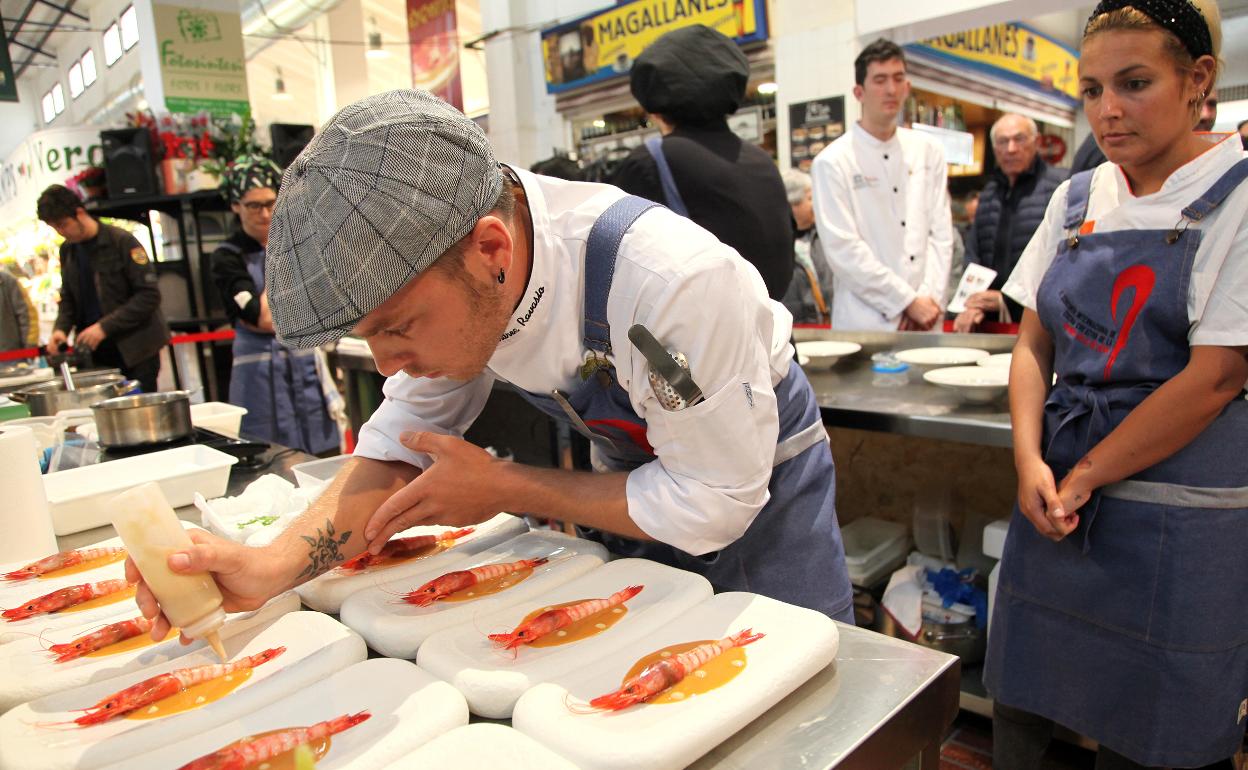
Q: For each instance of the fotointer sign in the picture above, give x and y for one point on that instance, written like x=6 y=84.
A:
x=1013 y=52
x=202 y=64
x=604 y=45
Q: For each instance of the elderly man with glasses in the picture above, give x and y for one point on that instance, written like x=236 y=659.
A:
x=1011 y=207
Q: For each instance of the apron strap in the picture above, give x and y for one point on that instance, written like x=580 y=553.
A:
x=1077 y=199
x=600 y=250
x=674 y=202
x=1226 y=184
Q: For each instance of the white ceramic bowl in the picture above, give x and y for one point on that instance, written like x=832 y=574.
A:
x=976 y=384
x=932 y=357
x=1001 y=360
x=825 y=352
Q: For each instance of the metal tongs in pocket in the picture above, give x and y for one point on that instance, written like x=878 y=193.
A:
x=669 y=372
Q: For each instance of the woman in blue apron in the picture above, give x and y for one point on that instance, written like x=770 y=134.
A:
x=279 y=386
x=1120 y=608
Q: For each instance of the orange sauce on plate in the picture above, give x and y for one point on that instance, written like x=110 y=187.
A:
x=581 y=629
x=85 y=566
x=126 y=645
x=716 y=672
x=101 y=601
x=193 y=697
x=492 y=586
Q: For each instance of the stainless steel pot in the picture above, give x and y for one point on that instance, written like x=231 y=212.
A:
x=962 y=639
x=145 y=418
x=48 y=398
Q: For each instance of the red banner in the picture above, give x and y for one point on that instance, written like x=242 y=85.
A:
x=434 y=42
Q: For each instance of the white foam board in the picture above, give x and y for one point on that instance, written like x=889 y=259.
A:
x=483 y=746
x=328 y=591
x=316 y=647
x=409 y=707
x=397 y=629
x=493 y=681
x=28 y=671
x=799 y=643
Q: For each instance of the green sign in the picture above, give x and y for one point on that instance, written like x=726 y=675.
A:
x=8 y=83
x=202 y=65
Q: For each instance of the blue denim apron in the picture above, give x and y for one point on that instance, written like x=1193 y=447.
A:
x=1133 y=630
x=792 y=551
x=278 y=386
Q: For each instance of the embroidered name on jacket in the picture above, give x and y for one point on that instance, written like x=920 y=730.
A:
x=528 y=315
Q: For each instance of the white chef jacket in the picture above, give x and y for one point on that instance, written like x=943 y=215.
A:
x=882 y=209
x=696 y=296
x=1217 y=296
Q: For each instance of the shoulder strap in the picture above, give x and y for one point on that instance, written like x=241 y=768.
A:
x=674 y=202
x=600 y=250
x=1226 y=184
x=1077 y=198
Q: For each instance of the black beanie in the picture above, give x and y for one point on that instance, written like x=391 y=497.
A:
x=693 y=75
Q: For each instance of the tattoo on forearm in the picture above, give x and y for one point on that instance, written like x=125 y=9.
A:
x=324 y=553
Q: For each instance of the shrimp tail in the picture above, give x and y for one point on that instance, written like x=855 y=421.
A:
x=747 y=636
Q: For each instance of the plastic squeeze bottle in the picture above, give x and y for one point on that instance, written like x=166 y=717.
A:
x=151 y=531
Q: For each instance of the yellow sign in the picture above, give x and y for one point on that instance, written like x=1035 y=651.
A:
x=604 y=45
x=202 y=65
x=1014 y=52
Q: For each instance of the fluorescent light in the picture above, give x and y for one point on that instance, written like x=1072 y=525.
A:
x=768 y=88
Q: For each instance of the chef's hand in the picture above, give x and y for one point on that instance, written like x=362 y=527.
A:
x=458 y=489
x=90 y=337
x=58 y=338
x=1040 y=502
x=967 y=320
x=242 y=574
x=984 y=300
x=924 y=312
x=1075 y=489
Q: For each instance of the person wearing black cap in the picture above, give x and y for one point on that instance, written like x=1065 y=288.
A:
x=397 y=225
x=1120 y=604
x=279 y=386
x=690 y=80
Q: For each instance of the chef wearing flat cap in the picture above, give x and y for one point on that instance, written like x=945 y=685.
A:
x=397 y=225
x=689 y=81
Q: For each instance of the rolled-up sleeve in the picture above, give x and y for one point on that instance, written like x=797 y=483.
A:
x=714 y=459
x=438 y=406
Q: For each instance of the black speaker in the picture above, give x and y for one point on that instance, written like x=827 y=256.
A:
x=128 y=162
x=289 y=139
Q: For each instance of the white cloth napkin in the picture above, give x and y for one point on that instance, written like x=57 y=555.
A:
x=903 y=598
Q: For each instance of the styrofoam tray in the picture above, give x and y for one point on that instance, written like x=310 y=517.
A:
x=397 y=629
x=483 y=746
x=328 y=591
x=799 y=644
x=493 y=681
x=29 y=671
x=408 y=707
x=316 y=647
x=78 y=498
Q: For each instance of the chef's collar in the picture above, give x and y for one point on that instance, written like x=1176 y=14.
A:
x=864 y=135
x=534 y=307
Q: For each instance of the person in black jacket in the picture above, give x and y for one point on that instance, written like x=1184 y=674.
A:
x=280 y=387
x=108 y=291
x=1011 y=207
x=690 y=80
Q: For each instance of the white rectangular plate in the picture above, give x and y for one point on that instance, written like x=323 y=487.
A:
x=316 y=647
x=483 y=746
x=493 y=680
x=328 y=591
x=798 y=644
x=397 y=629
x=29 y=671
x=408 y=707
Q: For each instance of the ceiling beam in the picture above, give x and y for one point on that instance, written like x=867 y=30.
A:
x=65 y=9
x=47 y=33
x=33 y=49
x=21 y=18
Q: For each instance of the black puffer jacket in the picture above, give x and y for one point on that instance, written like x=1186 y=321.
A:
x=1008 y=217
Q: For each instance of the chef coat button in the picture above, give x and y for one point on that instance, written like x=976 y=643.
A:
x=885 y=156
x=903 y=223
x=894 y=189
x=911 y=257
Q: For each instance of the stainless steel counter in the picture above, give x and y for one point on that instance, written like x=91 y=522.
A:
x=848 y=396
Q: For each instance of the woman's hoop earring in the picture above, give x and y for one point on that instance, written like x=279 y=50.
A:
x=502 y=277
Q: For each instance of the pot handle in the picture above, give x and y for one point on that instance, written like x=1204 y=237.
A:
x=17 y=396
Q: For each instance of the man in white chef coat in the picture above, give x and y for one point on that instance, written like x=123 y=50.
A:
x=397 y=225
x=882 y=208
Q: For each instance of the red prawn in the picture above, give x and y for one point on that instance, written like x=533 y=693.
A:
x=403 y=546
x=551 y=621
x=100 y=638
x=445 y=585
x=65 y=597
x=662 y=674
x=60 y=561
x=249 y=753
x=167 y=685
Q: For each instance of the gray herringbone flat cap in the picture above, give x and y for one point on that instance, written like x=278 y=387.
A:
x=383 y=190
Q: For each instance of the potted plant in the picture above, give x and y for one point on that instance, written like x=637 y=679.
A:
x=88 y=184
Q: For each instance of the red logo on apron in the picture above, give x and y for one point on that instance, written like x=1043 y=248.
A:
x=1138 y=277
